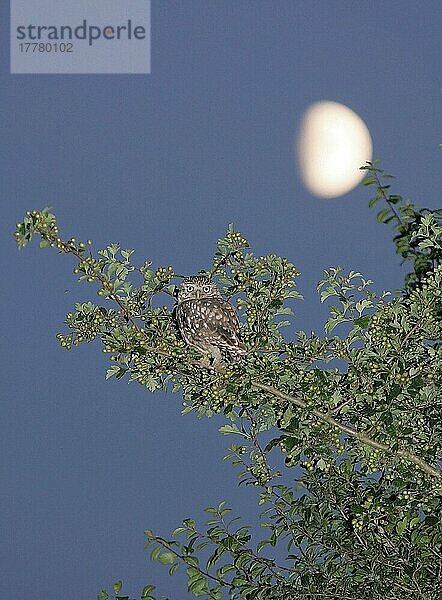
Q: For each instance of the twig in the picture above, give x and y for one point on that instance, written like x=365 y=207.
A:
x=359 y=435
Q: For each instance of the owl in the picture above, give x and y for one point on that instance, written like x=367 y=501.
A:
x=207 y=322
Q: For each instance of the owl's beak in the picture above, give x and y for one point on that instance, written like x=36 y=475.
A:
x=198 y=293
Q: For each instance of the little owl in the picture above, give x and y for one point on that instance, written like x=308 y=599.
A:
x=207 y=322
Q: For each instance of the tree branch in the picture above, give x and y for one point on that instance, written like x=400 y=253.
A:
x=359 y=435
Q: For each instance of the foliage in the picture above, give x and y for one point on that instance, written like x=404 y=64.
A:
x=356 y=413
x=418 y=236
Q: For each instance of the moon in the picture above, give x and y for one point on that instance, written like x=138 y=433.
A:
x=333 y=142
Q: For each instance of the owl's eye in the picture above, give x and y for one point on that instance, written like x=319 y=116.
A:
x=206 y=289
x=189 y=288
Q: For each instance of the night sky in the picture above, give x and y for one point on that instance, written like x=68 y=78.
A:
x=162 y=163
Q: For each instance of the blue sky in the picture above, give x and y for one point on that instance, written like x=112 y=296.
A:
x=162 y=163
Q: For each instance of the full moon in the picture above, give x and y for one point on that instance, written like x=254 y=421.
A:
x=333 y=142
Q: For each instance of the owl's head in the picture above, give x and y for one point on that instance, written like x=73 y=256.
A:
x=197 y=287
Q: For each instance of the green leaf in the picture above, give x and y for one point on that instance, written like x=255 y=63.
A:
x=167 y=558
x=401 y=526
x=127 y=253
x=362 y=322
x=111 y=371
x=155 y=553
x=363 y=304
x=145 y=594
x=262 y=544
x=121 y=373
x=383 y=215
x=197 y=584
x=373 y=201
x=332 y=323
x=330 y=291
x=228 y=429
x=117 y=586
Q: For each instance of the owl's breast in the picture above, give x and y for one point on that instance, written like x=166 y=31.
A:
x=195 y=313
x=209 y=322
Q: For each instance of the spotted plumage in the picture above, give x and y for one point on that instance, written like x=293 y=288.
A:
x=207 y=322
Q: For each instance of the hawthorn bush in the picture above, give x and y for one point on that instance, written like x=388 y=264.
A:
x=356 y=412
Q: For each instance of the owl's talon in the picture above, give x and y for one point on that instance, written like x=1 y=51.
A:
x=219 y=367
x=205 y=362
x=216 y=365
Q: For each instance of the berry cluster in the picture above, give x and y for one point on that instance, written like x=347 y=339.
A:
x=236 y=239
